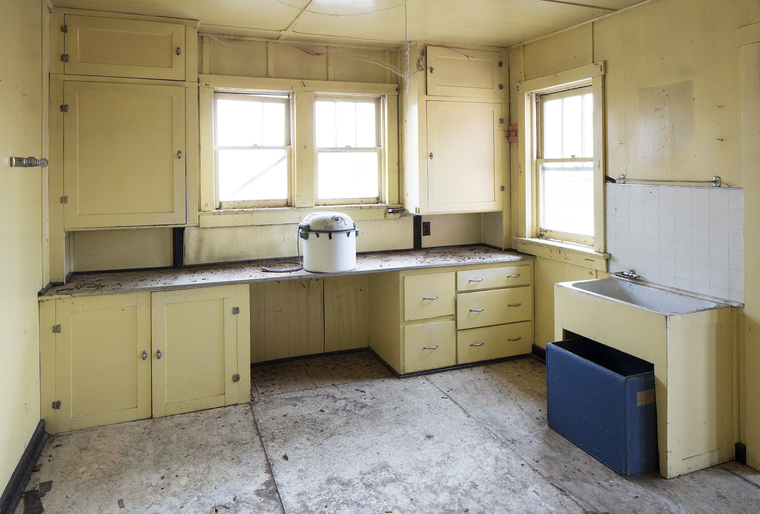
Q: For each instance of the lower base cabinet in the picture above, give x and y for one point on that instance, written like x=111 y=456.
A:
x=114 y=358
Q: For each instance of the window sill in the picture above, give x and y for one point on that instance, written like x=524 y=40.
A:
x=291 y=215
x=577 y=255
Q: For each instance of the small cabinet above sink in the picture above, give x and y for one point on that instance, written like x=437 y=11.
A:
x=688 y=338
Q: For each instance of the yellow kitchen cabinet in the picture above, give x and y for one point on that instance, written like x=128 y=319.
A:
x=124 y=162
x=200 y=350
x=110 y=47
x=287 y=319
x=464 y=72
x=412 y=325
x=453 y=131
x=95 y=360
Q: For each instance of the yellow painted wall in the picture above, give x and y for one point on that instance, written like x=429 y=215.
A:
x=21 y=230
x=671 y=94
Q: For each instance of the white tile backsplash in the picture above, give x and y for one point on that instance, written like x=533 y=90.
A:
x=691 y=238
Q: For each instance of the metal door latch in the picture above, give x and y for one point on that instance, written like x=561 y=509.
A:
x=236 y=310
x=57 y=404
x=56 y=329
x=28 y=162
x=236 y=378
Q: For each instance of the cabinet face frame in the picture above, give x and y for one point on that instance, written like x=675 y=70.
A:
x=74 y=92
x=88 y=35
x=444 y=148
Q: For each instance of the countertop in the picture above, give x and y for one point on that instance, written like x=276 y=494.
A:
x=91 y=284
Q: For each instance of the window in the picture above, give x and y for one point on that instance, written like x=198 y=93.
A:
x=349 y=154
x=252 y=149
x=565 y=165
x=273 y=150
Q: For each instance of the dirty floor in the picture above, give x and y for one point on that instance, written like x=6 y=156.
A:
x=339 y=434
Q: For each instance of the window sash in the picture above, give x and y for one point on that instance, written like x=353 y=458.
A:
x=548 y=233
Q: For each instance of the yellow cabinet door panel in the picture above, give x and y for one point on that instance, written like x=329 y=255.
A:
x=101 y=376
x=482 y=344
x=124 y=48
x=485 y=308
x=122 y=160
x=460 y=72
x=428 y=296
x=194 y=354
x=429 y=346
x=493 y=278
x=465 y=156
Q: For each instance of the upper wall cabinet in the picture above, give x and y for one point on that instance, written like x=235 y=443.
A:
x=123 y=155
x=110 y=47
x=468 y=73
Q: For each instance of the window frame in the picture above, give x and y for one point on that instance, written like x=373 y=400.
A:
x=544 y=233
x=303 y=189
x=243 y=204
x=379 y=150
x=528 y=92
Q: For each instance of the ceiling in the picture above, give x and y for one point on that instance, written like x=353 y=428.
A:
x=500 y=23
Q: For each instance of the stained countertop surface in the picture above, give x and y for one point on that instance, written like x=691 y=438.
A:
x=90 y=284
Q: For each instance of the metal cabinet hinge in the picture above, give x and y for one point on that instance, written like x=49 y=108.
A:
x=236 y=310
x=65 y=108
x=65 y=29
x=236 y=378
x=56 y=329
x=57 y=404
x=64 y=199
x=65 y=57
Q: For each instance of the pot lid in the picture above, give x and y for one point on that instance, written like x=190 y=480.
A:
x=327 y=222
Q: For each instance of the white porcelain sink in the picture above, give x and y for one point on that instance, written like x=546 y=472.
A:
x=689 y=339
x=649 y=297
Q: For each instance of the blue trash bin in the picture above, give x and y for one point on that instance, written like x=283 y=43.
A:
x=603 y=400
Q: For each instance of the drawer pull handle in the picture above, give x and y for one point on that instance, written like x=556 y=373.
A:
x=478 y=310
x=478 y=344
x=429 y=297
x=515 y=339
x=476 y=280
x=514 y=305
x=513 y=276
x=430 y=347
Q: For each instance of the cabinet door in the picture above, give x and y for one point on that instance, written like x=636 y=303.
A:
x=101 y=375
x=197 y=334
x=464 y=72
x=122 y=165
x=464 y=156
x=109 y=47
x=429 y=346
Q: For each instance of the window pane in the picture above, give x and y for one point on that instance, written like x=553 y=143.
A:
x=325 y=124
x=345 y=119
x=552 y=129
x=253 y=175
x=567 y=197
x=572 y=112
x=347 y=175
x=238 y=122
x=588 y=125
x=365 y=125
x=273 y=124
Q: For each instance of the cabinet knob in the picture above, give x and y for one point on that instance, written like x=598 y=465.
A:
x=431 y=155
x=144 y=355
x=430 y=347
x=158 y=354
x=431 y=69
x=179 y=154
x=179 y=51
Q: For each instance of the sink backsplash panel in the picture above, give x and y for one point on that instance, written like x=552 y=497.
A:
x=691 y=238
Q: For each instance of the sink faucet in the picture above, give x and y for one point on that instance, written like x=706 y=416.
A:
x=629 y=274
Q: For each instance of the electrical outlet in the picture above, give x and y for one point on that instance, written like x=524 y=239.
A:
x=425 y=228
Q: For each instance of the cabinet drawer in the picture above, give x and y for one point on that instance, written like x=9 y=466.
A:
x=428 y=296
x=429 y=346
x=124 y=48
x=482 y=344
x=493 y=278
x=486 y=308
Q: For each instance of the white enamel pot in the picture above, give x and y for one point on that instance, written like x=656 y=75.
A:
x=329 y=242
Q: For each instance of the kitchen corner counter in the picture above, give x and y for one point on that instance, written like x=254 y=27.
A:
x=91 y=284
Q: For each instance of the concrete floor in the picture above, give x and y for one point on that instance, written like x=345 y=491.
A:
x=339 y=434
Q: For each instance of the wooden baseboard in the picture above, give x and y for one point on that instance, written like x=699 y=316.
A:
x=20 y=477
